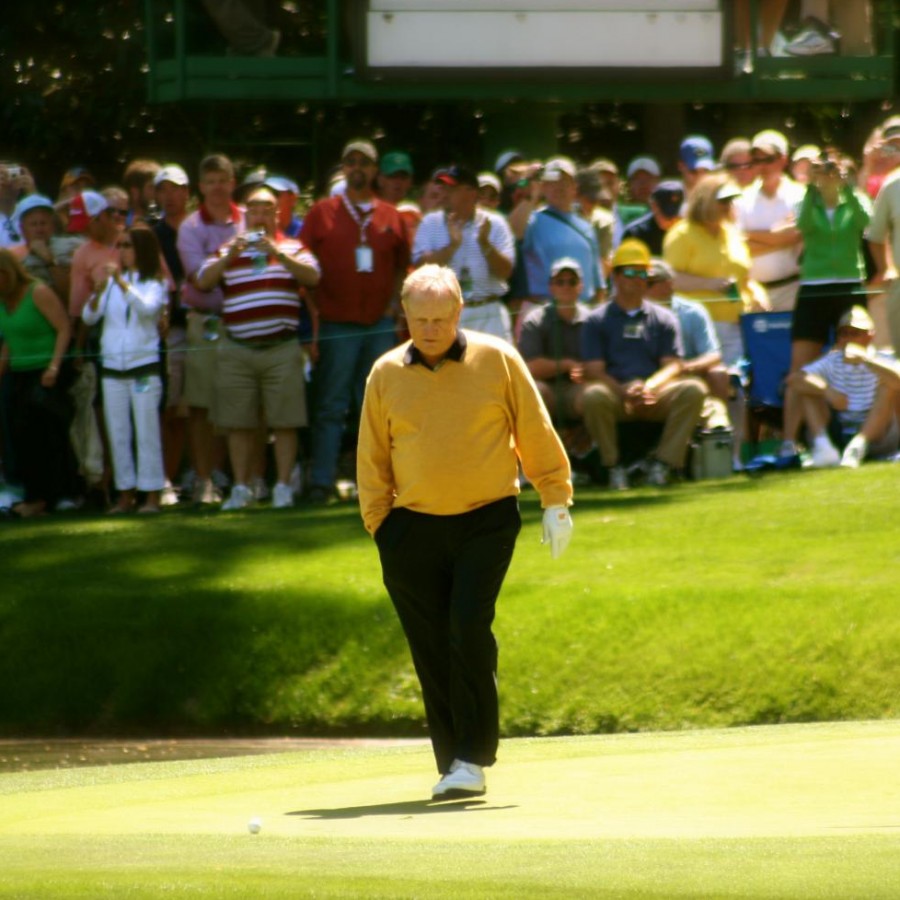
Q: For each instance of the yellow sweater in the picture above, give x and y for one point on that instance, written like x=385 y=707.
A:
x=448 y=440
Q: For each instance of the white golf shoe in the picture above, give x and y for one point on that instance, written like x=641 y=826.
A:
x=464 y=779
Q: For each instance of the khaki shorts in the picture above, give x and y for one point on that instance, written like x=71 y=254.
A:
x=200 y=364
x=255 y=384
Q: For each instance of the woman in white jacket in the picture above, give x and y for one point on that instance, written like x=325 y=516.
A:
x=130 y=301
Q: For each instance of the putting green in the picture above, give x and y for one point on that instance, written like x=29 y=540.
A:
x=745 y=812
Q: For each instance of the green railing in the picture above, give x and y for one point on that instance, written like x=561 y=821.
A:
x=187 y=62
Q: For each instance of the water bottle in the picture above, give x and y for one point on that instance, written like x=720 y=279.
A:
x=465 y=283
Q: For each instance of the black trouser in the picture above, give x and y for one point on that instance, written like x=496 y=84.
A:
x=443 y=574
x=40 y=420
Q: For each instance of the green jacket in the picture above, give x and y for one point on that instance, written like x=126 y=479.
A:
x=832 y=248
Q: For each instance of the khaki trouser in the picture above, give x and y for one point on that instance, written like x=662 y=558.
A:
x=678 y=405
x=893 y=313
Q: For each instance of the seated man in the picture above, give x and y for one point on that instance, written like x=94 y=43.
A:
x=699 y=343
x=259 y=365
x=632 y=363
x=550 y=343
x=850 y=390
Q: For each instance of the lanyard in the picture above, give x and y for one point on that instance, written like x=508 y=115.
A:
x=361 y=217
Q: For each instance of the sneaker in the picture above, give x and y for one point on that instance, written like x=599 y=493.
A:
x=205 y=492
x=283 y=496
x=854 y=453
x=658 y=475
x=68 y=504
x=824 y=454
x=220 y=480
x=464 y=779
x=815 y=39
x=169 y=496
x=241 y=497
x=618 y=479
x=260 y=489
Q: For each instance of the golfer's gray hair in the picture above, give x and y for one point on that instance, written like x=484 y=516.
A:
x=432 y=280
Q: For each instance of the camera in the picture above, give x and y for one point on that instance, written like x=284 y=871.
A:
x=254 y=237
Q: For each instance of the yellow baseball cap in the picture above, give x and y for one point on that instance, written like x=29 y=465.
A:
x=631 y=252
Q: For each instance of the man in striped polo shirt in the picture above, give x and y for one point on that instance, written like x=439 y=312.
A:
x=851 y=390
x=259 y=374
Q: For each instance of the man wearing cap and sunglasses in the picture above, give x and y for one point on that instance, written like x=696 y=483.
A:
x=632 y=363
x=362 y=245
x=766 y=215
x=478 y=245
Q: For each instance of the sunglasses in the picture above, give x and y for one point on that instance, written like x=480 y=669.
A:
x=566 y=281
x=124 y=245
x=628 y=272
x=763 y=160
x=734 y=166
x=115 y=211
x=353 y=162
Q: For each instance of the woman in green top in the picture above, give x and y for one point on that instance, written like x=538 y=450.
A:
x=832 y=220
x=36 y=331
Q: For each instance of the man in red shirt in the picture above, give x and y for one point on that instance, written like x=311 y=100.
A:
x=363 y=249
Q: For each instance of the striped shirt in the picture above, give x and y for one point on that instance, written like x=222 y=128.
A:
x=469 y=263
x=262 y=298
x=858 y=383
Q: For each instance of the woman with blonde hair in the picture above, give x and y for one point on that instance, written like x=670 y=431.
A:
x=712 y=262
x=36 y=333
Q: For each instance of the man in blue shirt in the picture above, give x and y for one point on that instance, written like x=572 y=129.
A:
x=633 y=363
x=556 y=231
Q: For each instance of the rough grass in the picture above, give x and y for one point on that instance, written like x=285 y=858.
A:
x=718 y=604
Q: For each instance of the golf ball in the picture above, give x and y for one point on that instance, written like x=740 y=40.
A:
x=254 y=825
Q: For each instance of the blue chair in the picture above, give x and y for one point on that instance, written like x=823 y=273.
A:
x=767 y=348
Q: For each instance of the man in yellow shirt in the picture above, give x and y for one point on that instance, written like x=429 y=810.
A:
x=447 y=418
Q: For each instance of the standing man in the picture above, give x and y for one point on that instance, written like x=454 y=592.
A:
x=766 y=215
x=666 y=203
x=172 y=193
x=200 y=235
x=259 y=370
x=363 y=249
x=557 y=230
x=884 y=233
x=447 y=418
x=478 y=245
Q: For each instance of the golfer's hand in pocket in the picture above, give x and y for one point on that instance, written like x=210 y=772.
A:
x=557 y=530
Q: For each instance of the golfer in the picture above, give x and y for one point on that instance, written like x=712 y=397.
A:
x=447 y=418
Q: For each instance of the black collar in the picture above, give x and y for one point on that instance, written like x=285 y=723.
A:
x=456 y=352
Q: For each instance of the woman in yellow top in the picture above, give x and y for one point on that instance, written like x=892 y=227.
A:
x=712 y=262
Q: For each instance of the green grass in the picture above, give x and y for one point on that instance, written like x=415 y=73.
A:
x=720 y=604
x=774 y=812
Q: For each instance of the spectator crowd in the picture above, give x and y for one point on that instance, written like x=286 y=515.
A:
x=208 y=340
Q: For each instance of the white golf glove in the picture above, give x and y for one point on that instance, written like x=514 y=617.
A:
x=557 y=530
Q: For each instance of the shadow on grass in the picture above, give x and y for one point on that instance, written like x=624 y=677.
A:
x=195 y=623
x=406 y=808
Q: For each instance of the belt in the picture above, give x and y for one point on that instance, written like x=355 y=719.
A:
x=263 y=342
x=472 y=304
x=781 y=282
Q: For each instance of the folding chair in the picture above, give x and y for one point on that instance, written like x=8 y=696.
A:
x=767 y=347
